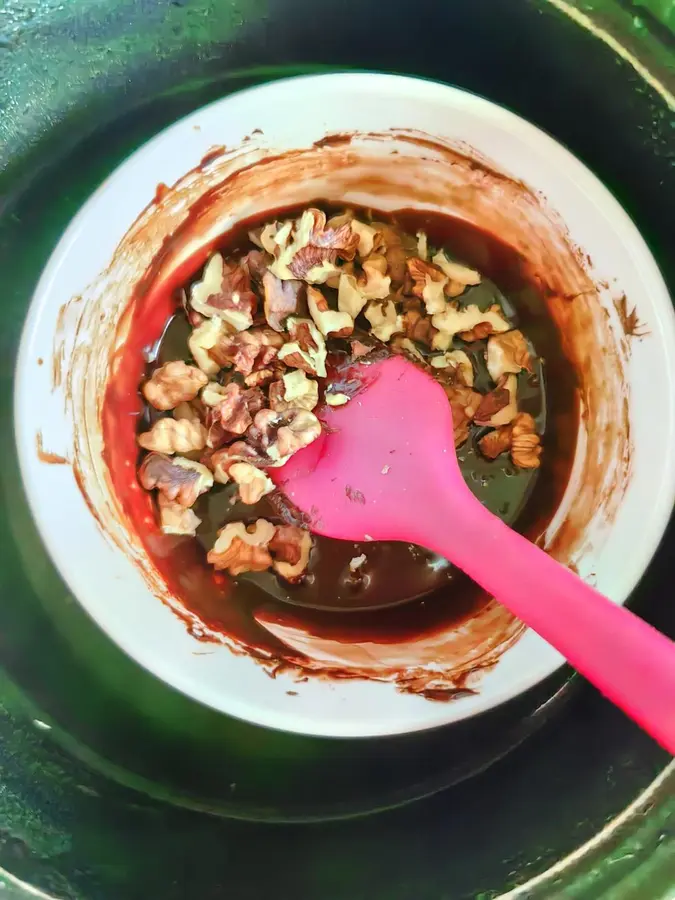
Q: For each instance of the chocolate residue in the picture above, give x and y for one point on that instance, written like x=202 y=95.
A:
x=629 y=318
x=52 y=459
x=164 y=247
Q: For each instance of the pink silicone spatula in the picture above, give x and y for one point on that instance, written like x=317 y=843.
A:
x=386 y=469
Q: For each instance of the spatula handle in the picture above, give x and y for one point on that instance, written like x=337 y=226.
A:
x=630 y=662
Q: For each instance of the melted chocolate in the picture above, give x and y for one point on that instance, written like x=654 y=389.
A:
x=436 y=594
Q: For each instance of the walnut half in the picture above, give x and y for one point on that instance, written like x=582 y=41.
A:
x=170 y=436
x=526 y=446
x=172 y=384
x=178 y=479
x=240 y=548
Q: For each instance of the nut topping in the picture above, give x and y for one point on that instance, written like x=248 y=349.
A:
x=294 y=391
x=306 y=349
x=384 y=319
x=176 y=519
x=253 y=484
x=464 y=321
x=526 y=447
x=327 y=320
x=172 y=384
x=178 y=479
x=242 y=549
x=171 y=436
x=225 y=291
x=291 y=547
x=507 y=354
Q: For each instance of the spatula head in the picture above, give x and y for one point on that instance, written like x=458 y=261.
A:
x=381 y=453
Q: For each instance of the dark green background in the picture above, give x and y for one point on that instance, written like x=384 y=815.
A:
x=105 y=774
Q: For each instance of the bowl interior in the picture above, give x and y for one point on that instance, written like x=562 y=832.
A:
x=564 y=221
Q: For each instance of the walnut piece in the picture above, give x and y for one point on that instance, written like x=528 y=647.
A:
x=458 y=363
x=282 y=299
x=337 y=399
x=301 y=429
x=422 y=245
x=311 y=253
x=526 y=446
x=294 y=391
x=307 y=348
x=495 y=442
x=225 y=291
x=178 y=479
x=464 y=403
x=172 y=384
x=291 y=547
x=240 y=549
x=253 y=484
x=500 y=406
x=384 y=319
x=175 y=518
x=229 y=415
x=455 y=271
x=350 y=299
x=221 y=461
x=170 y=436
x=507 y=353
x=375 y=284
x=428 y=284
x=417 y=326
x=203 y=339
x=247 y=350
x=368 y=236
x=327 y=320
x=461 y=321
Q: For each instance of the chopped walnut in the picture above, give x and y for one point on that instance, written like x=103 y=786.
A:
x=384 y=319
x=416 y=325
x=302 y=429
x=461 y=321
x=463 y=275
x=307 y=348
x=327 y=320
x=525 y=442
x=170 y=436
x=247 y=350
x=225 y=291
x=507 y=353
x=350 y=298
x=190 y=411
x=178 y=479
x=422 y=245
x=496 y=442
x=221 y=461
x=172 y=384
x=337 y=399
x=314 y=249
x=282 y=299
x=253 y=484
x=175 y=518
x=368 y=237
x=464 y=403
x=459 y=363
x=500 y=406
x=294 y=391
x=240 y=549
x=428 y=284
x=291 y=547
x=229 y=415
x=203 y=339
x=375 y=284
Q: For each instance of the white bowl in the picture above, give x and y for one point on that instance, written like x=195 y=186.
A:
x=569 y=227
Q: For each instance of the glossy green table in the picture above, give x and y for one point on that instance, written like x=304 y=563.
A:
x=113 y=786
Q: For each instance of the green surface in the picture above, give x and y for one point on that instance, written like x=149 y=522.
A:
x=81 y=85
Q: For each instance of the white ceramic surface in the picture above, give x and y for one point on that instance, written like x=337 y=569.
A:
x=121 y=597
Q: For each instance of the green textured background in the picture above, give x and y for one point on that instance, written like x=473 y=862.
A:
x=90 y=746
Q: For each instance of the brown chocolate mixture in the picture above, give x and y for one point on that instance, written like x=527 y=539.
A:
x=392 y=573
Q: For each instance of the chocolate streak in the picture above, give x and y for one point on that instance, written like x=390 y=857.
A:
x=397 y=170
